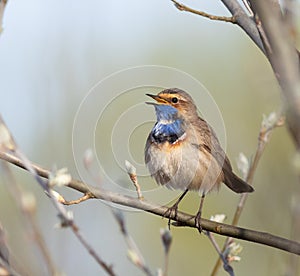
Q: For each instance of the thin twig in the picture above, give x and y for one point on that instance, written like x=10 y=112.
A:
x=2 y=8
x=134 y=253
x=5 y=264
x=182 y=7
x=107 y=268
x=227 y=267
x=75 y=201
x=27 y=205
x=131 y=170
x=263 y=138
x=8 y=144
x=293 y=264
x=263 y=36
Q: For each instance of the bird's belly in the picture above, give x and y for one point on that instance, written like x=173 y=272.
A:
x=181 y=166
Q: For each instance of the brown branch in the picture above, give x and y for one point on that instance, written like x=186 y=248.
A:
x=245 y=21
x=182 y=218
x=284 y=60
x=182 y=7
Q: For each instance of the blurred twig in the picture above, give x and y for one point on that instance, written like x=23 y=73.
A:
x=166 y=239
x=267 y=126
x=293 y=264
x=27 y=205
x=227 y=267
x=5 y=266
x=8 y=144
x=2 y=8
x=134 y=253
x=4 y=252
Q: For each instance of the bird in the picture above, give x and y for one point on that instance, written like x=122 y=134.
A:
x=182 y=152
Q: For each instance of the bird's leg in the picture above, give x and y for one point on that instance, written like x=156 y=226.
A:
x=198 y=215
x=174 y=208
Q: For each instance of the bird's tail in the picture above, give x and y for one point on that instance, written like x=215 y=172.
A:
x=237 y=184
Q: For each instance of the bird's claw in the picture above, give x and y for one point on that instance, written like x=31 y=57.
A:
x=169 y=214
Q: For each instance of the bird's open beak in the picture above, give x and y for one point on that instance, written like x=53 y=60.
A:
x=159 y=100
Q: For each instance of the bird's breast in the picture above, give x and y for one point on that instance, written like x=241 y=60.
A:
x=174 y=159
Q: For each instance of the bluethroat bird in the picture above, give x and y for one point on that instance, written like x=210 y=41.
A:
x=183 y=152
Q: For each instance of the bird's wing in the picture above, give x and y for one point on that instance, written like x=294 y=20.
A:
x=210 y=143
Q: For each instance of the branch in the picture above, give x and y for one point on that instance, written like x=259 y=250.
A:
x=239 y=17
x=182 y=7
x=267 y=127
x=183 y=219
x=244 y=21
x=2 y=8
x=27 y=206
x=133 y=252
x=8 y=144
x=284 y=59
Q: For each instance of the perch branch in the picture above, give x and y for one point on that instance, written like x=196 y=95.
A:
x=183 y=218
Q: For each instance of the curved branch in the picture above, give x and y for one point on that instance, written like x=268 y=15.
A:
x=244 y=21
x=239 y=17
x=183 y=219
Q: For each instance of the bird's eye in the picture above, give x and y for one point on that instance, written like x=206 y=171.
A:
x=174 y=100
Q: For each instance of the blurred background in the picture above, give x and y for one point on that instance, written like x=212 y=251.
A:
x=52 y=53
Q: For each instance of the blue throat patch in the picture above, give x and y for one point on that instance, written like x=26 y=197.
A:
x=169 y=126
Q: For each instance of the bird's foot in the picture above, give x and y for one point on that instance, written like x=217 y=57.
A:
x=198 y=222
x=170 y=213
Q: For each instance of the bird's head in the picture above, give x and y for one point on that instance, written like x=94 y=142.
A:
x=175 y=102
